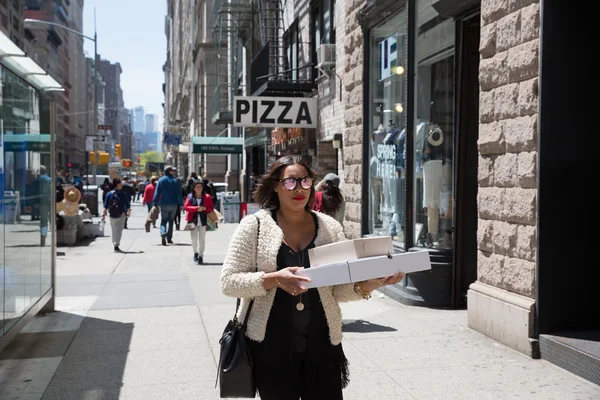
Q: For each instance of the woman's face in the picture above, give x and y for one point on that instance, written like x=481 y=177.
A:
x=294 y=187
x=198 y=189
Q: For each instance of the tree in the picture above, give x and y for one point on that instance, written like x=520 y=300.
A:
x=150 y=156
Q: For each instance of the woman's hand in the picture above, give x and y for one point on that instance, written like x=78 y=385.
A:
x=373 y=284
x=286 y=280
x=201 y=208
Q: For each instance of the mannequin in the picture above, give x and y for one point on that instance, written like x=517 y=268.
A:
x=376 y=180
x=433 y=176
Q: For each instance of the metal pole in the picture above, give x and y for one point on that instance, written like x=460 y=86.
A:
x=193 y=79
x=95 y=127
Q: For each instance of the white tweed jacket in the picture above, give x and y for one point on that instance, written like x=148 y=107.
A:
x=247 y=253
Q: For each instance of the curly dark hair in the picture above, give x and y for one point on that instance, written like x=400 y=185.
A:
x=332 y=199
x=265 y=191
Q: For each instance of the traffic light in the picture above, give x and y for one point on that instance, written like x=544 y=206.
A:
x=118 y=150
x=103 y=157
x=139 y=159
x=125 y=163
x=93 y=157
x=69 y=165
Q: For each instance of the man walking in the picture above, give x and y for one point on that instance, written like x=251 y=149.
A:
x=118 y=205
x=169 y=197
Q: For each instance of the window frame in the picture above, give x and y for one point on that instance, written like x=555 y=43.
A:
x=293 y=32
x=317 y=23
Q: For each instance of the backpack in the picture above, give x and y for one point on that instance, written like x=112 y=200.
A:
x=114 y=207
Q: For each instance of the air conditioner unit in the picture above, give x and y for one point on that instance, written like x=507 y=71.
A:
x=326 y=55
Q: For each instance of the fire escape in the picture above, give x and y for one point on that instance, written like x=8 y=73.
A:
x=273 y=71
x=233 y=22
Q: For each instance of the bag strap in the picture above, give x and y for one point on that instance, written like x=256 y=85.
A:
x=239 y=301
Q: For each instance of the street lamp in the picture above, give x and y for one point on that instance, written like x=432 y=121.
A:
x=95 y=40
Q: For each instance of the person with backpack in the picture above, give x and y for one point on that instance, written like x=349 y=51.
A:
x=118 y=206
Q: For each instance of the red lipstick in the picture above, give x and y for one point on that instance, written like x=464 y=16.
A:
x=298 y=198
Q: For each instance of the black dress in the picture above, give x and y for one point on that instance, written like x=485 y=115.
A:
x=296 y=360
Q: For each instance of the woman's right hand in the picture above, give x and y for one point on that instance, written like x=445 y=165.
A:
x=286 y=280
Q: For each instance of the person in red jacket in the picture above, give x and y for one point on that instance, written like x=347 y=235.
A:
x=149 y=193
x=197 y=206
x=149 y=196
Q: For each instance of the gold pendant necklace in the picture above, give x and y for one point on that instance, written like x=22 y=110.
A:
x=300 y=305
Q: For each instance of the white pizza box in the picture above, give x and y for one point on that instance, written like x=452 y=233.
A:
x=363 y=269
x=349 y=250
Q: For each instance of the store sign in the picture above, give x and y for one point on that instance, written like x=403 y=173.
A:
x=388 y=52
x=27 y=142
x=273 y=112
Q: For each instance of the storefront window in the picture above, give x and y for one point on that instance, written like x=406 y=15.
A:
x=387 y=123
x=26 y=196
x=434 y=134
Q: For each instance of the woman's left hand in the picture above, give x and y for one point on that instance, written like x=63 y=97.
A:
x=373 y=284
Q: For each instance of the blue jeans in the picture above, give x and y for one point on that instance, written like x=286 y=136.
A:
x=167 y=216
x=149 y=206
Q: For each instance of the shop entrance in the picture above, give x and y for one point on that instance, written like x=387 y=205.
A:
x=567 y=265
x=467 y=104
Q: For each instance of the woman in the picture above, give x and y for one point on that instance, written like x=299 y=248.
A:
x=197 y=206
x=329 y=199
x=294 y=334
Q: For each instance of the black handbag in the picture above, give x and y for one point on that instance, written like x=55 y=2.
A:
x=236 y=369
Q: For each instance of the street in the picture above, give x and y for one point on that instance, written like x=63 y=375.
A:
x=145 y=325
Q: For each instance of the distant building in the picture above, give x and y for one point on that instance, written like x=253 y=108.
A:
x=138 y=120
x=11 y=21
x=151 y=123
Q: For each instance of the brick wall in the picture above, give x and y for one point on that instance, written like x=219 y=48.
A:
x=508 y=77
x=353 y=117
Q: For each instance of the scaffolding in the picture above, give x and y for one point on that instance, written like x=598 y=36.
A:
x=272 y=30
x=233 y=24
x=280 y=67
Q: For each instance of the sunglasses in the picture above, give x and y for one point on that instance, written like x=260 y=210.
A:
x=292 y=183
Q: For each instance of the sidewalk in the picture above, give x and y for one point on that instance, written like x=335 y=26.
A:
x=145 y=325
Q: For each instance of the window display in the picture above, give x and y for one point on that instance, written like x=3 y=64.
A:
x=25 y=206
x=434 y=135
x=387 y=123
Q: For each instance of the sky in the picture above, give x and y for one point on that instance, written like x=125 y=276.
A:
x=131 y=32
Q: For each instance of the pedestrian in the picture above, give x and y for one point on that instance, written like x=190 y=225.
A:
x=168 y=196
x=209 y=188
x=140 y=191
x=106 y=188
x=148 y=198
x=197 y=206
x=253 y=185
x=294 y=334
x=329 y=198
x=118 y=206
x=178 y=212
x=43 y=189
x=189 y=188
x=130 y=190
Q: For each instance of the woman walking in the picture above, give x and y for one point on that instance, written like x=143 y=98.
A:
x=197 y=206
x=329 y=198
x=294 y=334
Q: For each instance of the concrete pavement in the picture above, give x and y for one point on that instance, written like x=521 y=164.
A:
x=146 y=324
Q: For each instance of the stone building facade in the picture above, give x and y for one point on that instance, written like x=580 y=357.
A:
x=353 y=118
x=507 y=196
